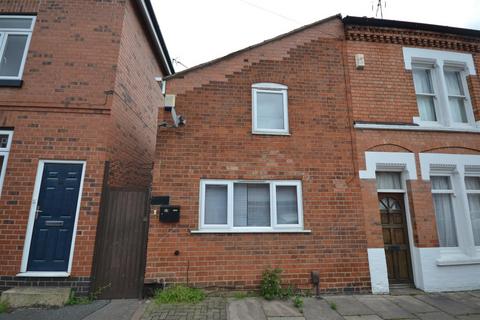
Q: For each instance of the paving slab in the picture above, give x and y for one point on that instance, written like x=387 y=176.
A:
x=117 y=310
x=76 y=312
x=384 y=308
x=245 y=309
x=277 y=308
x=285 y=318
x=348 y=305
x=411 y=304
x=469 y=317
x=466 y=298
x=446 y=304
x=364 y=317
x=435 y=316
x=319 y=309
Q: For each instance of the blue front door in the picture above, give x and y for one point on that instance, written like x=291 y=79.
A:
x=55 y=217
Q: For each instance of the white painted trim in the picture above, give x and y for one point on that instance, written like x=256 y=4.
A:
x=5 y=152
x=389 y=161
x=270 y=88
x=43 y=274
x=4 y=39
x=373 y=126
x=377 y=264
x=31 y=219
x=229 y=226
x=428 y=55
x=250 y=231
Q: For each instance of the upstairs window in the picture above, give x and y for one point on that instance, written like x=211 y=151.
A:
x=269 y=108
x=15 y=34
x=440 y=80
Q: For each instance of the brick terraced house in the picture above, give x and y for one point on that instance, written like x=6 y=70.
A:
x=78 y=116
x=349 y=147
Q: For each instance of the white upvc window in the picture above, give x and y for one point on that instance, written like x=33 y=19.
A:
x=442 y=193
x=15 y=35
x=472 y=186
x=5 y=144
x=440 y=80
x=269 y=108
x=251 y=206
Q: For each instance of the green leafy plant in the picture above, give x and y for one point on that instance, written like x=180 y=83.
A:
x=4 y=307
x=298 y=302
x=179 y=294
x=244 y=294
x=74 y=299
x=333 y=306
x=270 y=286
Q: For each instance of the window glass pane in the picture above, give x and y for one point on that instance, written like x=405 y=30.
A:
x=447 y=235
x=441 y=183
x=15 y=23
x=457 y=106
x=270 y=110
x=388 y=180
x=426 y=108
x=216 y=204
x=474 y=206
x=454 y=84
x=422 y=80
x=472 y=183
x=3 y=141
x=12 y=57
x=251 y=205
x=287 y=208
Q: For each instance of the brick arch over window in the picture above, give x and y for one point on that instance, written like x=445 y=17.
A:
x=452 y=150
x=388 y=147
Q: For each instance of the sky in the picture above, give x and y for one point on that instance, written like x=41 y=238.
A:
x=198 y=31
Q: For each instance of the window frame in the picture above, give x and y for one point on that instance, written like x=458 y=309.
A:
x=442 y=61
x=229 y=226
x=468 y=192
x=434 y=95
x=267 y=87
x=5 y=33
x=453 y=198
x=5 y=152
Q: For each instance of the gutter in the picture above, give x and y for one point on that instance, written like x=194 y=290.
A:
x=149 y=16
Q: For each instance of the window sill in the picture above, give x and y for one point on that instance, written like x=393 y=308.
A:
x=457 y=262
x=270 y=133
x=373 y=126
x=11 y=83
x=251 y=231
x=44 y=274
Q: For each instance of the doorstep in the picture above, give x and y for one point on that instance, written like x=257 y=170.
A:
x=35 y=296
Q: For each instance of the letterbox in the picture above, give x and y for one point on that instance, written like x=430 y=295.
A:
x=169 y=213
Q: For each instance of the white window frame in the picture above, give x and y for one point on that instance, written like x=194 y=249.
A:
x=229 y=226
x=456 y=167
x=4 y=33
x=441 y=61
x=470 y=191
x=5 y=152
x=270 y=88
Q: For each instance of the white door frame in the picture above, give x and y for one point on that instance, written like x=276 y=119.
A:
x=31 y=222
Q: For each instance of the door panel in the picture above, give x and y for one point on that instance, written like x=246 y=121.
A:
x=395 y=237
x=55 y=217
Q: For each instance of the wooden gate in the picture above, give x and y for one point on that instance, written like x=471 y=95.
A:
x=121 y=243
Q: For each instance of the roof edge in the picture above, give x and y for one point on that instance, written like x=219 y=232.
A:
x=385 y=23
x=232 y=54
x=153 y=27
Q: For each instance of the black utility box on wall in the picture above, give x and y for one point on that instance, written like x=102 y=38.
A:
x=169 y=213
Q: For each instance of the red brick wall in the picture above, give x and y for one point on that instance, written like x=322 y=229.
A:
x=384 y=92
x=217 y=143
x=89 y=94
x=135 y=106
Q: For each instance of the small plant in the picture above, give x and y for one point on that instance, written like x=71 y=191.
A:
x=74 y=299
x=179 y=294
x=298 y=302
x=333 y=306
x=4 y=307
x=270 y=287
